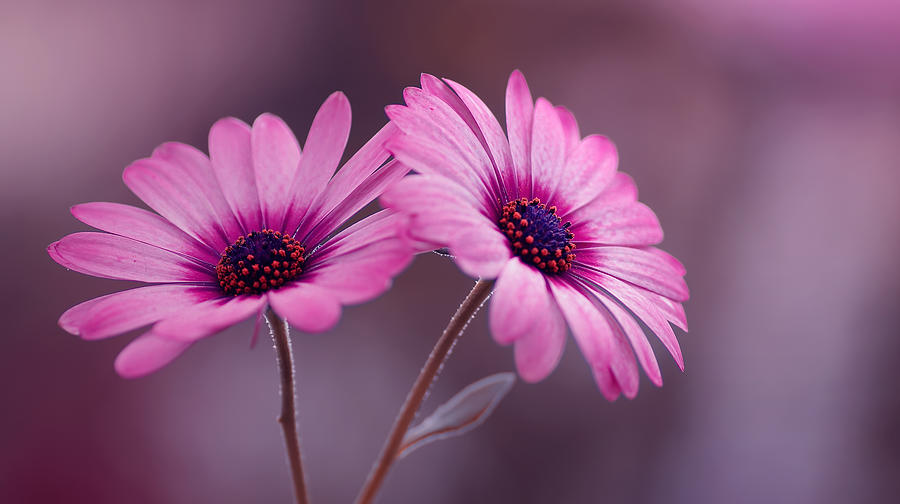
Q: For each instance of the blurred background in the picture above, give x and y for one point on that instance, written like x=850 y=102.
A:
x=765 y=134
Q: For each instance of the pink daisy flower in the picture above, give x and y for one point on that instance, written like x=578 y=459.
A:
x=249 y=227
x=545 y=213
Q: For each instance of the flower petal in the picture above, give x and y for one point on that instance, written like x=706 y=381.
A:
x=570 y=129
x=445 y=127
x=188 y=163
x=276 y=155
x=361 y=196
x=440 y=209
x=124 y=311
x=143 y=226
x=232 y=160
x=322 y=152
x=111 y=256
x=481 y=252
x=636 y=337
x=640 y=267
x=668 y=259
x=164 y=188
x=147 y=354
x=362 y=165
x=538 y=351
x=492 y=138
x=588 y=170
x=635 y=301
x=632 y=224
x=380 y=226
x=600 y=338
x=432 y=159
x=607 y=383
x=519 y=118
x=520 y=301
x=363 y=261
x=548 y=150
x=208 y=318
x=307 y=307
x=671 y=310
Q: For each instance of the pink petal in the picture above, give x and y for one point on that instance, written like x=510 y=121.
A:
x=111 y=256
x=367 y=160
x=440 y=209
x=437 y=208
x=671 y=310
x=432 y=159
x=588 y=170
x=607 y=383
x=645 y=310
x=361 y=196
x=363 y=259
x=447 y=128
x=640 y=267
x=208 y=318
x=481 y=252
x=492 y=137
x=548 y=150
x=519 y=117
x=538 y=351
x=147 y=354
x=355 y=282
x=128 y=310
x=143 y=226
x=668 y=259
x=323 y=149
x=193 y=165
x=621 y=190
x=520 y=302
x=636 y=337
x=631 y=224
x=382 y=225
x=307 y=307
x=442 y=230
x=276 y=155
x=441 y=89
x=164 y=188
x=231 y=154
x=599 y=337
x=570 y=129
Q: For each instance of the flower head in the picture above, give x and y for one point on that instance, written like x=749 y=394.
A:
x=545 y=212
x=249 y=227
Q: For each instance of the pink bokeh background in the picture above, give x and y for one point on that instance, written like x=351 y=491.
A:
x=766 y=136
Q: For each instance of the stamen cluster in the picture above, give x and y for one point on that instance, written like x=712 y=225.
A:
x=259 y=262
x=538 y=235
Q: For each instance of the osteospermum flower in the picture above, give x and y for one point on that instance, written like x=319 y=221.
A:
x=545 y=212
x=249 y=227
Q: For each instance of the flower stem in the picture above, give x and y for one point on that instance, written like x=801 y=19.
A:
x=288 y=417
x=427 y=376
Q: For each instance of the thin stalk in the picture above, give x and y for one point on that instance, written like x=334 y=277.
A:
x=288 y=417
x=427 y=376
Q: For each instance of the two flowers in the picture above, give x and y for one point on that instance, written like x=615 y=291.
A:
x=540 y=209
x=538 y=213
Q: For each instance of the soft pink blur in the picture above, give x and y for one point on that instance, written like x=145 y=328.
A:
x=765 y=135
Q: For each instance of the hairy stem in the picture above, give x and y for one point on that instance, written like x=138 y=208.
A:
x=427 y=376
x=288 y=417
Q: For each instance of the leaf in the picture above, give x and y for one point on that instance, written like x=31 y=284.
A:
x=468 y=409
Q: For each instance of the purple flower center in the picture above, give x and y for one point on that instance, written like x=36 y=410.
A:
x=538 y=235
x=259 y=262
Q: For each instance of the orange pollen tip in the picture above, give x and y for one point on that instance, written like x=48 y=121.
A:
x=243 y=267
